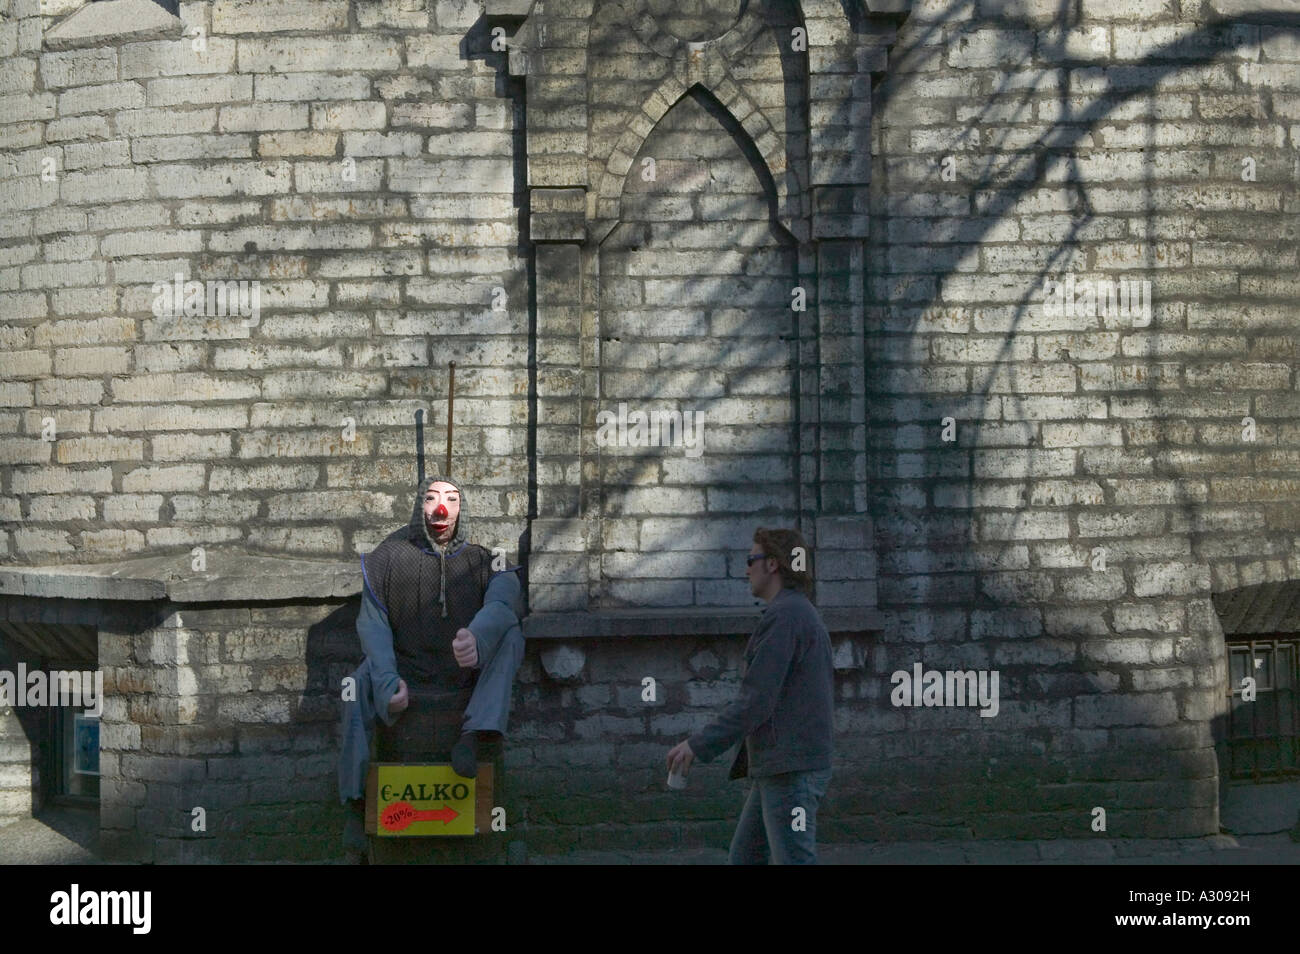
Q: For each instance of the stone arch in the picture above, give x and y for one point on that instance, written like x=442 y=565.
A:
x=600 y=79
x=691 y=299
x=742 y=109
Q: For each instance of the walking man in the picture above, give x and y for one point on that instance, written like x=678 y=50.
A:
x=783 y=714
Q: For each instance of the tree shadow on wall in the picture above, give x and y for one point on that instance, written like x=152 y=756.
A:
x=932 y=252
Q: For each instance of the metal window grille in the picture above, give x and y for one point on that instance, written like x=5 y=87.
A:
x=1263 y=736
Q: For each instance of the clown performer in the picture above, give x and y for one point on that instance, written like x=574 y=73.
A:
x=438 y=626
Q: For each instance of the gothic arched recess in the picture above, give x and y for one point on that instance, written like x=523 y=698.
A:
x=693 y=297
x=656 y=285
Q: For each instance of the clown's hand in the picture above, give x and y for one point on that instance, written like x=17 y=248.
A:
x=465 y=648
x=400 y=699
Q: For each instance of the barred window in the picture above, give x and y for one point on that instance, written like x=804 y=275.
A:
x=1263 y=737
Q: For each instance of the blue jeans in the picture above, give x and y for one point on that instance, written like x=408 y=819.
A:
x=767 y=832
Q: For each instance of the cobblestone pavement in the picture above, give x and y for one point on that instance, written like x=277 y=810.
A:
x=64 y=837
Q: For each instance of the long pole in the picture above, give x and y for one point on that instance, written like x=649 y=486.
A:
x=451 y=409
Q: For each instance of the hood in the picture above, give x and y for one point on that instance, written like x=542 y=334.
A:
x=419 y=532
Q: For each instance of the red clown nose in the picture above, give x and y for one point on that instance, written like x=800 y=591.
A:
x=441 y=511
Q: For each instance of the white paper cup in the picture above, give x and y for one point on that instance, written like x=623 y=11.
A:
x=676 y=780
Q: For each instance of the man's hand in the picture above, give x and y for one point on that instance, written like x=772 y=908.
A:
x=465 y=648
x=400 y=699
x=680 y=757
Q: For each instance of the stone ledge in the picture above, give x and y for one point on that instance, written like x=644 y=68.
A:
x=237 y=575
x=691 y=621
x=114 y=21
x=1279 y=10
x=507 y=8
x=233 y=575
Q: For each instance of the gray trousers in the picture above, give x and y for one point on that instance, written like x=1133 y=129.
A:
x=489 y=706
x=488 y=711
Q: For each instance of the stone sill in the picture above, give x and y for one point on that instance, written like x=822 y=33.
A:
x=232 y=576
x=691 y=621
x=114 y=21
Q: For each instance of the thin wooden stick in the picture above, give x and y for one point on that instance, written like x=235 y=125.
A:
x=451 y=409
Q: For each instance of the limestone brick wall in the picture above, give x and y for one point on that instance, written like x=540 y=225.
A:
x=1056 y=493
x=1107 y=472
x=695 y=294
x=234 y=710
x=355 y=159
x=19 y=777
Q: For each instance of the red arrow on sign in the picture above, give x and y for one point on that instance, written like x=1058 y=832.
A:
x=401 y=815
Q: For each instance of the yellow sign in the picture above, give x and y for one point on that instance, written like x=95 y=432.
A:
x=422 y=800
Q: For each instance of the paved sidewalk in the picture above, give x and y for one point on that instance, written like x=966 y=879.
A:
x=57 y=837
x=62 y=838
x=1276 y=849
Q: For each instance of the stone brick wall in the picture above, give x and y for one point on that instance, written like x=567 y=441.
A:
x=234 y=710
x=231 y=710
x=19 y=775
x=320 y=149
x=695 y=286
x=1114 y=146
x=362 y=161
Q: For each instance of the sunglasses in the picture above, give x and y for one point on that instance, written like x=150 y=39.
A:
x=749 y=560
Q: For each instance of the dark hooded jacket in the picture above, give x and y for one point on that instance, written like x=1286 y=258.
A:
x=427 y=592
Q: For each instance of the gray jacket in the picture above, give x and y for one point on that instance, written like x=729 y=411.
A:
x=785 y=709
